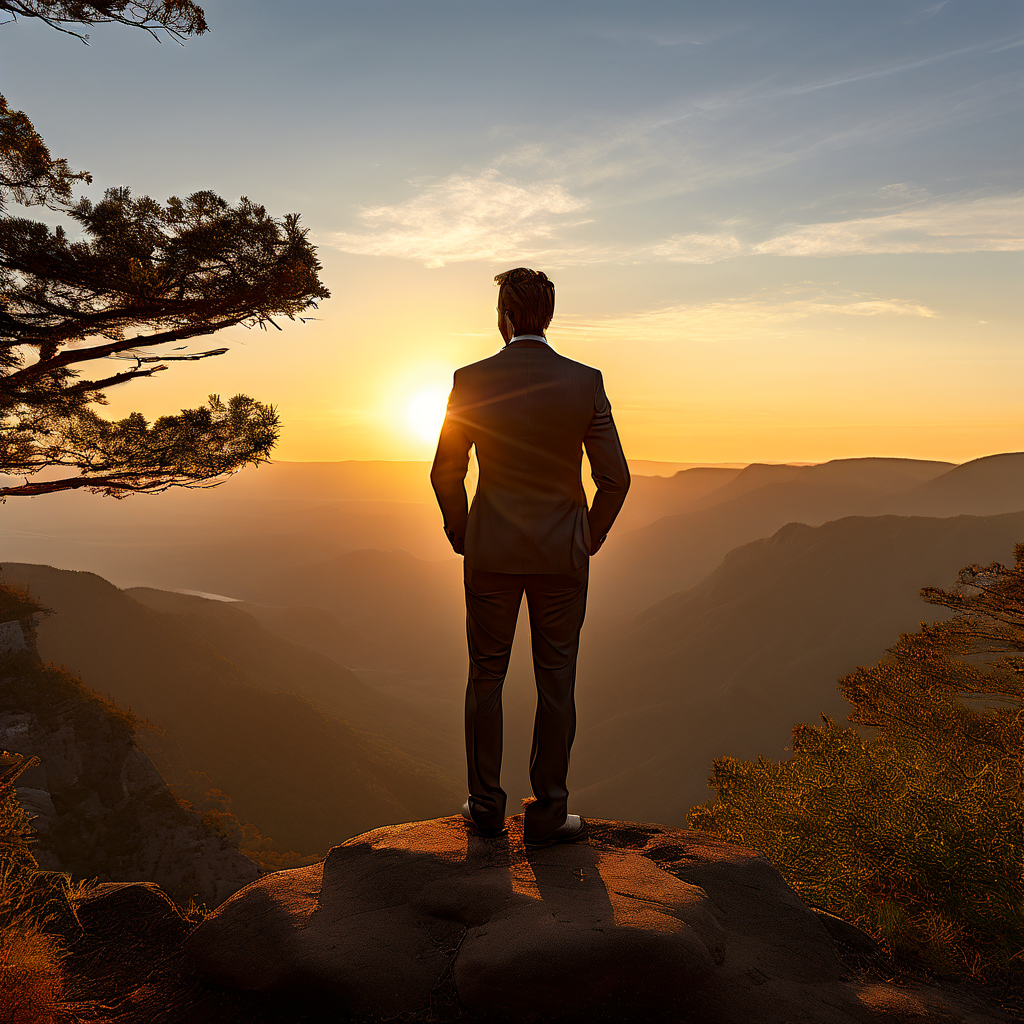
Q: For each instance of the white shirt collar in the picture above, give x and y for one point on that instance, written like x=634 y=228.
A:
x=529 y=337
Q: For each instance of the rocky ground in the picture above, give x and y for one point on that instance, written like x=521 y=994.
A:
x=428 y=922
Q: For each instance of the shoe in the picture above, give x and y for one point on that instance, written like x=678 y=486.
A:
x=487 y=833
x=574 y=828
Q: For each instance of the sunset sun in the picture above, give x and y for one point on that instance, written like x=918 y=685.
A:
x=424 y=413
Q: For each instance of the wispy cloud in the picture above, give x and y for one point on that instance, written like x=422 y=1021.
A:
x=901 y=67
x=735 y=320
x=491 y=218
x=750 y=125
x=486 y=217
x=992 y=224
x=691 y=248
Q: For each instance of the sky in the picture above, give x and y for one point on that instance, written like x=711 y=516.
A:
x=785 y=231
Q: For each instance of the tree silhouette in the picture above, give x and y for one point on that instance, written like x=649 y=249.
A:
x=141 y=278
x=176 y=17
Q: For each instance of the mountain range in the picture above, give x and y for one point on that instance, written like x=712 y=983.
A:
x=315 y=671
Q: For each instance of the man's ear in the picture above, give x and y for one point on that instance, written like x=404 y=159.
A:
x=506 y=327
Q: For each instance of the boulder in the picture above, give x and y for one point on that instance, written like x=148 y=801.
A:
x=131 y=914
x=12 y=638
x=659 y=922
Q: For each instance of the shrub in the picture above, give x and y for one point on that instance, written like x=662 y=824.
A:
x=30 y=958
x=30 y=975
x=914 y=832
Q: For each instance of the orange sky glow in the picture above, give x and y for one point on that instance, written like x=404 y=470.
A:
x=808 y=370
x=784 y=233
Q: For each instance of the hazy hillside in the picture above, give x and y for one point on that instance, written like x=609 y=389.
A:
x=276 y=663
x=653 y=497
x=982 y=487
x=728 y=667
x=675 y=552
x=281 y=513
x=409 y=610
x=305 y=776
x=318 y=630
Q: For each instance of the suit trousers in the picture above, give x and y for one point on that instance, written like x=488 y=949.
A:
x=557 y=603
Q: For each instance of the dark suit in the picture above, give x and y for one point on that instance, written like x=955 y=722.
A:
x=530 y=413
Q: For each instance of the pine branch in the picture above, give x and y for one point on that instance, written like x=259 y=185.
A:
x=81 y=355
x=179 y=18
x=117 y=484
x=107 y=382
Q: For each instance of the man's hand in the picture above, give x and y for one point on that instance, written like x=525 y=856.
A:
x=458 y=543
x=595 y=545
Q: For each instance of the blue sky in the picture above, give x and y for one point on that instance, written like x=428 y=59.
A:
x=735 y=199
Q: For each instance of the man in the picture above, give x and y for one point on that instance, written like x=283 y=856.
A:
x=530 y=413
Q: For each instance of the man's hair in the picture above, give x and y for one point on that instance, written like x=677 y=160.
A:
x=528 y=297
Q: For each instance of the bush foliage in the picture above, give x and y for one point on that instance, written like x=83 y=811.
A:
x=31 y=955
x=915 y=832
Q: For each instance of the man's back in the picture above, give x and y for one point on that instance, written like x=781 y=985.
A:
x=530 y=412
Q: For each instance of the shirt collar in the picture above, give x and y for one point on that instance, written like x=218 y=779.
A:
x=529 y=337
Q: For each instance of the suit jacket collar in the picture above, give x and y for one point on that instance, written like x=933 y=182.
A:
x=526 y=343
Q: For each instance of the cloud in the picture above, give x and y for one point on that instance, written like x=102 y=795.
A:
x=493 y=218
x=692 y=248
x=734 y=320
x=901 y=192
x=987 y=46
x=993 y=224
x=718 y=129
x=486 y=217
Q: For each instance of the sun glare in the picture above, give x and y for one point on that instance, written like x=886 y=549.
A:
x=425 y=413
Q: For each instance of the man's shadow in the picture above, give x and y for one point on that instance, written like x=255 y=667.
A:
x=569 y=882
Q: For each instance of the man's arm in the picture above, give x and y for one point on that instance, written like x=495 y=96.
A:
x=448 y=473
x=608 y=468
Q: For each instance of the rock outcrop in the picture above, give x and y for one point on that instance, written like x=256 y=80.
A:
x=101 y=809
x=636 y=922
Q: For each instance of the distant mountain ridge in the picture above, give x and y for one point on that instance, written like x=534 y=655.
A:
x=729 y=666
x=677 y=551
x=984 y=486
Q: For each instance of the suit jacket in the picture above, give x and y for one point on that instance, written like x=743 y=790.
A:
x=530 y=413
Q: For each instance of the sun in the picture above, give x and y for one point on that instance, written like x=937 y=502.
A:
x=425 y=412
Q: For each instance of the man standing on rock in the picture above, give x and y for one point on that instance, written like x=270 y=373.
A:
x=530 y=413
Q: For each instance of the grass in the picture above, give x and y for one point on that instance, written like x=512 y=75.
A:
x=31 y=901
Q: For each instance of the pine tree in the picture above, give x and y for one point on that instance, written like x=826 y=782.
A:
x=140 y=279
x=914 y=831
x=177 y=18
